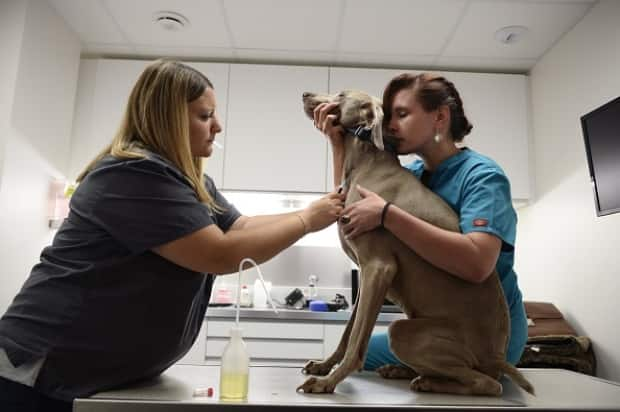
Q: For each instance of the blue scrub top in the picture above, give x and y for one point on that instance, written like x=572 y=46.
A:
x=478 y=190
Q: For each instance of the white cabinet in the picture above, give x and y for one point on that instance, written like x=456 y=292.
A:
x=496 y=105
x=275 y=342
x=271 y=144
x=284 y=342
x=104 y=86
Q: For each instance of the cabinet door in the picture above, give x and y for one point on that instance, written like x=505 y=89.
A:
x=496 y=105
x=271 y=144
x=269 y=342
x=103 y=89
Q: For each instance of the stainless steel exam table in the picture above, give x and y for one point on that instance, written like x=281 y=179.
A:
x=273 y=389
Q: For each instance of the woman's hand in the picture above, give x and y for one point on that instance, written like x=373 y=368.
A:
x=325 y=123
x=323 y=212
x=363 y=215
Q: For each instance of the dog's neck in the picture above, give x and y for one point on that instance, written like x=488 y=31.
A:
x=362 y=153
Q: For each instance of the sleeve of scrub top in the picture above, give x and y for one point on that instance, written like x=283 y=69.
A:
x=229 y=212
x=143 y=204
x=487 y=206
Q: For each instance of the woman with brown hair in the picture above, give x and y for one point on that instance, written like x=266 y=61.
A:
x=121 y=293
x=424 y=114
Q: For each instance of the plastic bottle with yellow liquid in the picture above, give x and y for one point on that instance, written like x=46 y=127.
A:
x=234 y=372
x=235 y=368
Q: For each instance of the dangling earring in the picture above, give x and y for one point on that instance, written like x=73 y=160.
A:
x=437 y=137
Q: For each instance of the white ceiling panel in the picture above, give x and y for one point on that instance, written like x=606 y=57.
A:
x=206 y=22
x=421 y=34
x=90 y=20
x=546 y=22
x=284 y=24
x=398 y=26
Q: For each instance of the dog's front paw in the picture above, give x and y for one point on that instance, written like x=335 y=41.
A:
x=396 y=372
x=316 y=385
x=316 y=368
x=421 y=384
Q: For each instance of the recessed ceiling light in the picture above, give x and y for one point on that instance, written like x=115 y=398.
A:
x=170 y=20
x=510 y=34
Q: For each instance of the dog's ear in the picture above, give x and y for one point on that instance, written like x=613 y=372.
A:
x=312 y=100
x=377 y=128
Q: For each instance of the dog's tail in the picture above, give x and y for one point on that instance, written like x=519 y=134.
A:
x=516 y=376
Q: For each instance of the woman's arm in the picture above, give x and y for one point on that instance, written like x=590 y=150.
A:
x=335 y=134
x=211 y=250
x=471 y=256
x=246 y=222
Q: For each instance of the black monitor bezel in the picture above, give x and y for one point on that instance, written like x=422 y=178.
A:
x=586 y=139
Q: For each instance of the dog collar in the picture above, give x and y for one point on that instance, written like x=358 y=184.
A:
x=361 y=132
x=365 y=134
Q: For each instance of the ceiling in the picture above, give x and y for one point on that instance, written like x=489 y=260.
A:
x=408 y=34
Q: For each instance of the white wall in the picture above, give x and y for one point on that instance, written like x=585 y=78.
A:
x=565 y=254
x=44 y=56
x=12 y=17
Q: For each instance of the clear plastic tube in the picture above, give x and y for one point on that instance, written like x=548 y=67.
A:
x=262 y=280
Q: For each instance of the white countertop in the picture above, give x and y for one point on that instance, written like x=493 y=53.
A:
x=273 y=389
x=291 y=314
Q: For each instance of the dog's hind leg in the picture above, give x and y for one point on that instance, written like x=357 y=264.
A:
x=377 y=274
x=470 y=382
x=436 y=349
x=396 y=372
x=324 y=367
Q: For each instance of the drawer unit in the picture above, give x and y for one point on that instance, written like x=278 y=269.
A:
x=289 y=343
x=268 y=329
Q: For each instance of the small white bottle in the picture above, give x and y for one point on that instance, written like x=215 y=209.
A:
x=260 y=297
x=235 y=368
x=312 y=289
x=245 y=299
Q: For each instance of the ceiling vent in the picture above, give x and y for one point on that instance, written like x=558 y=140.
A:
x=170 y=21
x=510 y=34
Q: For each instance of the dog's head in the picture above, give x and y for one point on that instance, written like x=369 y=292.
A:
x=355 y=108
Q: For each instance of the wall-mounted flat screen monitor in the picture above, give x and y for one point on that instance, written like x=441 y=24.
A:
x=601 y=134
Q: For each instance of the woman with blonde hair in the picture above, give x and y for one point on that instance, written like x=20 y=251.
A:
x=121 y=293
